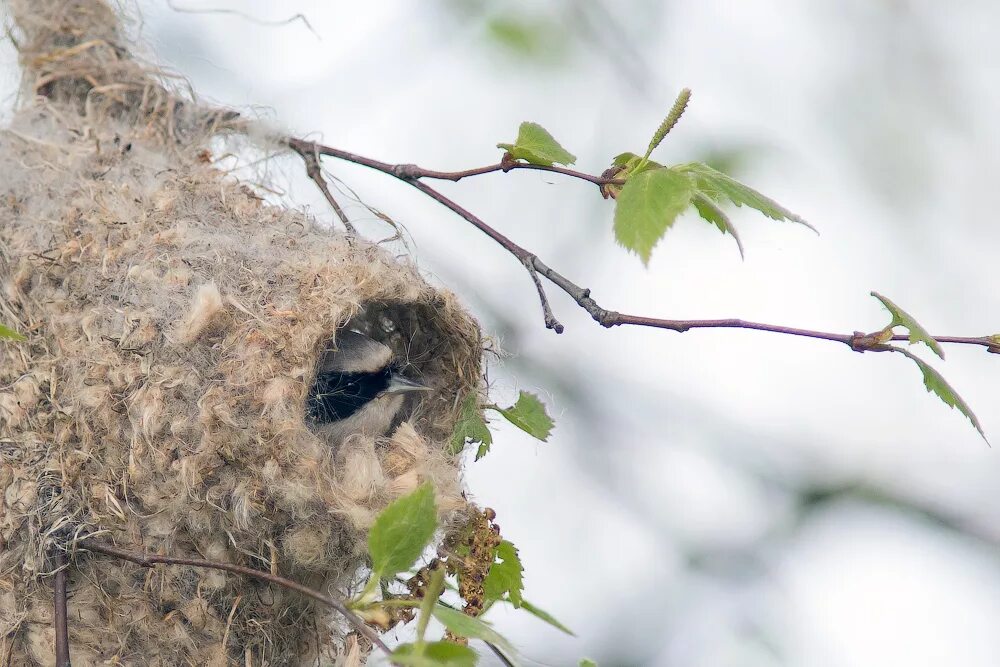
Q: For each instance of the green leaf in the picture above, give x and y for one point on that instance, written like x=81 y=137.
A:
x=6 y=333
x=623 y=166
x=471 y=627
x=506 y=577
x=711 y=212
x=535 y=145
x=529 y=415
x=718 y=186
x=647 y=206
x=471 y=427
x=402 y=531
x=587 y=662
x=674 y=115
x=634 y=164
x=936 y=384
x=903 y=319
x=623 y=159
x=431 y=594
x=545 y=616
x=434 y=654
x=529 y=36
x=522 y=37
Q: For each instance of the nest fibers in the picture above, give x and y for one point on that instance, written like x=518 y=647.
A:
x=175 y=322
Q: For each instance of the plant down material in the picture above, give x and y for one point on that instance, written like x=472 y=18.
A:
x=174 y=322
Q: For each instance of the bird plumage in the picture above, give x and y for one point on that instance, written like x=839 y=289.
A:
x=354 y=352
x=357 y=389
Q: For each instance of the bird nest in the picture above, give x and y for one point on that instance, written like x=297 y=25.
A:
x=174 y=323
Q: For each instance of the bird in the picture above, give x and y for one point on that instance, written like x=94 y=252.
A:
x=358 y=389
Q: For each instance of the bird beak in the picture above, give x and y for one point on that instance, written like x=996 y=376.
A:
x=401 y=385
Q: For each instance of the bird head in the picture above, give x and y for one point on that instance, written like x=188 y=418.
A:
x=358 y=388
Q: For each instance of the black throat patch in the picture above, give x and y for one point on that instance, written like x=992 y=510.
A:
x=335 y=396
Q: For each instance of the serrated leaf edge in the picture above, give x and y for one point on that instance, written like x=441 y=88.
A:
x=918 y=334
x=928 y=371
x=545 y=162
x=700 y=168
x=511 y=416
x=701 y=199
x=422 y=489
x=632 y=180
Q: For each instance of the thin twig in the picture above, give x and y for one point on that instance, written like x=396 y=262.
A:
x=413 y=171
x=60 y=615
x=528 y=259
x=857 y=341
x=315 y=172
x=411 y=174
x=229 y=622
x=149 y=560
x=280 y=22
x=550 y=321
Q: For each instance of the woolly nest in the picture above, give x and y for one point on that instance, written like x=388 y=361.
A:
x=175 y=323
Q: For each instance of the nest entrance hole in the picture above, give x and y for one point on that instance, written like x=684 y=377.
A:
x=412 y=332
x=425 y=349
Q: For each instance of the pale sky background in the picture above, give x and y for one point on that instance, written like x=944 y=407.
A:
x=662 y=521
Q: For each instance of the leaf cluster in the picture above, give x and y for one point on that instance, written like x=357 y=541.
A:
x=650 y=196
x=933 y=380
x=528 y=414
x=473 y=553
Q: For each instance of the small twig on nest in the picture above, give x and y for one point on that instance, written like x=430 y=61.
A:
x=411 y=174
x=149 y=560
x=315 y=172
x=60 y=615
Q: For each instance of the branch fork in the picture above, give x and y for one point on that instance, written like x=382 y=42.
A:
x=414 y=175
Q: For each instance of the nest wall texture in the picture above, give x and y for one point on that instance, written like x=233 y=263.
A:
x=175 y=323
